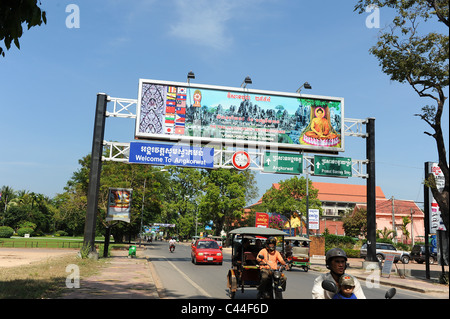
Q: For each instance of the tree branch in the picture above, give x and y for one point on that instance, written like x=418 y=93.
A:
x=432 y=4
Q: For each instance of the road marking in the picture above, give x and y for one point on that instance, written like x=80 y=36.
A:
x=200 y=289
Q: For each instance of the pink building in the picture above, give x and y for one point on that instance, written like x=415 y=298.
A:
x=337 y=199
x=389 y=210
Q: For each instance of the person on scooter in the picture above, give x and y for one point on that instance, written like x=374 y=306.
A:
x=336 y=262
x=172 y=242
x=270 y=261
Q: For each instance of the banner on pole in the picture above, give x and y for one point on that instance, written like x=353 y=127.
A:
x=119 y=204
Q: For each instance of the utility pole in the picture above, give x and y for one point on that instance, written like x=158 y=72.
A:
x=393 y=220
x=412 y=227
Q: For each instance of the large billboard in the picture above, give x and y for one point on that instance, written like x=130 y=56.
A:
x=172 y=111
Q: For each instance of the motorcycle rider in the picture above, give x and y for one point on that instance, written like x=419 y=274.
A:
x=172 y=242
x=270 y=261
x=336 y=262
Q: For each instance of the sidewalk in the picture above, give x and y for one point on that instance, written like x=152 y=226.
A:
x=121 y=278
x=415 y=283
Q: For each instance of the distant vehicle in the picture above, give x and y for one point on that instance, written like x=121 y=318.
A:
x=206 y=250
x=218 y=239
x=383 y=248
x=418 y=254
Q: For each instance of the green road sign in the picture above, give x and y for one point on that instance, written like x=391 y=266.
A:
x=332 y=166
x=285 y=163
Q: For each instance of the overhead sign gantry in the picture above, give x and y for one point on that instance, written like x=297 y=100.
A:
x=206 y=126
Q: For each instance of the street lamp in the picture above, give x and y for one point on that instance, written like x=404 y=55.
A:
x=247 y=80
x=305 y=85
x=190 y=76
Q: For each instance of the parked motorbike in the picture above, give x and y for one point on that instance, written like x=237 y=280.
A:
x=332 y=287
x=277 y=287
x=172 y=248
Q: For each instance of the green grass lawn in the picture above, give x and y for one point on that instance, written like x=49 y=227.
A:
x=52 y=242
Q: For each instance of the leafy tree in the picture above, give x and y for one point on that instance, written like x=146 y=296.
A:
x=421 y=60
x=224 y=196
x=28 y=207
x=180 y=199
x=385 y=233
x=290 y=197
x=71 y=211
x=355 y=224
x=13 y=13
x=405 y=221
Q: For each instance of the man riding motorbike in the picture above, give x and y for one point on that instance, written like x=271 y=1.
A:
x=270 y=261
x=172 y=244
x=336 y=262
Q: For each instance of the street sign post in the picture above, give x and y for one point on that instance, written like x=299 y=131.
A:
x=332 y=166
x=313 y=219
x=286 y=163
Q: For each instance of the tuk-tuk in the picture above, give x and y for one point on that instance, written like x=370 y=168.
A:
x=244 y=272
x=298 y=256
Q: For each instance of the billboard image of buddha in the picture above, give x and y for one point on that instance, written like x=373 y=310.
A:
x=320 y=132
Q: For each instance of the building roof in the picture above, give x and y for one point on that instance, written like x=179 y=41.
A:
x=347 y=193
x=383 y=207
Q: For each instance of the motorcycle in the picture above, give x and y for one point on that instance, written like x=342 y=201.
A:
x=171 y=248
x=332 y=287
x=277 y=286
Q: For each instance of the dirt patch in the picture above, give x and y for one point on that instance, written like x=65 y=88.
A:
x=13 y=257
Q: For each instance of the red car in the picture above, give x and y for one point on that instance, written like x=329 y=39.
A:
x=206 y=251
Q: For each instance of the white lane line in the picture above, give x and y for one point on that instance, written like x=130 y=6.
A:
x=200 y=289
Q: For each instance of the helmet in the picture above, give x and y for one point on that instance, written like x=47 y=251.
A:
x=334 y=252
x=346 y=280
x=271 y=240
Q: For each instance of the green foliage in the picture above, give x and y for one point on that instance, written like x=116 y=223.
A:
x=177 y=196
x=384 y=240
x=402 y=246
x=61 y=233
x=355 y=224
x=6 y=232
x=24 y=230
x=384 y=234
x=85 y=251
x=27 y=224
x=344 y=242
x=415 y=50
x=12 y=14
x=224 y=196
x=290 y=197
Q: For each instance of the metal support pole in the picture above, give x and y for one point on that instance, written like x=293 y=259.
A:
x=142 y=214
x=371 y=212
x=94 y=175
x=307 y=202
x=426 y=206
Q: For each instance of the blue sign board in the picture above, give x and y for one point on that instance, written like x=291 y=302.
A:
x=177 y=155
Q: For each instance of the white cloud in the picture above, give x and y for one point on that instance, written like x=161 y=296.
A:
x=203 y=22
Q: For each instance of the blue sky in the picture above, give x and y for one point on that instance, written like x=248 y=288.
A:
x=48 y=88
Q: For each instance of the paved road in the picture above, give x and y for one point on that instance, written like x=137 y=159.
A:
x=182 y=279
